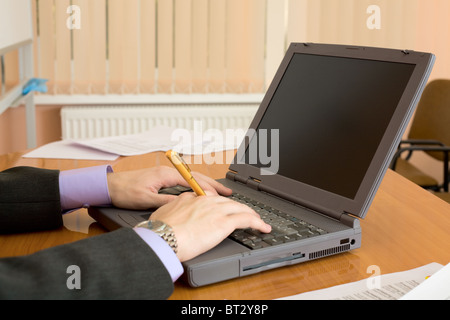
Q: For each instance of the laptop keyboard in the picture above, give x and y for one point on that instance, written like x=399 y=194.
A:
x=285 y=228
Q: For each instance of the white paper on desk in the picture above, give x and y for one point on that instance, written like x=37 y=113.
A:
x=391 y=286
x=437 y=287
x=164 y=138
x=69 y=150
x=157 y=139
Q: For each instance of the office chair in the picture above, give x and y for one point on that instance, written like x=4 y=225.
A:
x=430 y=133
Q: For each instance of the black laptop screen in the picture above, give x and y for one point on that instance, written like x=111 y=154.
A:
x=331 y=113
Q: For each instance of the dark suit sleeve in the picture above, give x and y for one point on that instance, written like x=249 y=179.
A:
x=29 y=200
x=116 y=265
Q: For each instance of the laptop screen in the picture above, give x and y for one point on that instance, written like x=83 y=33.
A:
x=331 y=113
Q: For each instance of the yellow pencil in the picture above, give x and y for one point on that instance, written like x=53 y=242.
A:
x=185 y=171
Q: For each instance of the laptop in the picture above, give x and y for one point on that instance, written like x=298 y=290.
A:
x=313 y=157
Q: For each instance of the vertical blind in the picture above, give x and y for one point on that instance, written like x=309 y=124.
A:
x=152 y=46
x=211 y=46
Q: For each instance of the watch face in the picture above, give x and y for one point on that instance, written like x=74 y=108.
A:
x=156 y=225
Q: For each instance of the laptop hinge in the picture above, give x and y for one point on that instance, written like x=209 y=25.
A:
x=231 y=175
x=235 y=177
x=344 y=217
x=251 y=182
x=349 y=220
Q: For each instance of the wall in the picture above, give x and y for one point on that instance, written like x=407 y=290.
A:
x=13 y=128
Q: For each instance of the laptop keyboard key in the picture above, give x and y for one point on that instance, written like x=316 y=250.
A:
x=285 y=228
x=274 y=241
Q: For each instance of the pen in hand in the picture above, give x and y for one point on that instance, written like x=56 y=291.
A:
x=185 y=171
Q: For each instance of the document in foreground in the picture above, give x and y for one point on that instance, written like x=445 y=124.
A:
x=391 y=286
x=437 y=287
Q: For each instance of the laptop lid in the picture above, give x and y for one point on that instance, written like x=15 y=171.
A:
x=329 y=124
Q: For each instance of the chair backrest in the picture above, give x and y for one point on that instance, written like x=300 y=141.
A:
x=432 y=118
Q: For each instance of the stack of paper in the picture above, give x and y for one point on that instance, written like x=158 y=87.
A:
x=430 y=282
x=157 y=139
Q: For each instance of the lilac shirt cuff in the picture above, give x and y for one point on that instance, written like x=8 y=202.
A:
x=89 y=187
x=84 y=187
x=163 y=251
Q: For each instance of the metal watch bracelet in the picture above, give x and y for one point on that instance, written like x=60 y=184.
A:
x=163 y=230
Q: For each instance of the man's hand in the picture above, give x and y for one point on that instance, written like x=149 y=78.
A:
x=139 y=189
x=201 y=223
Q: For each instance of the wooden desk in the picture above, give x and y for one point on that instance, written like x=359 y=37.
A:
x=406 y=227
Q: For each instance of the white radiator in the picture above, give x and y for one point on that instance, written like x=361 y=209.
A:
x=80 y=122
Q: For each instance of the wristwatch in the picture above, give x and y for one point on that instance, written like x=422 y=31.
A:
x=163 y=230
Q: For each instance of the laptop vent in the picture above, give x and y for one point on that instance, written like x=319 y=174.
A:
x=327 y=252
